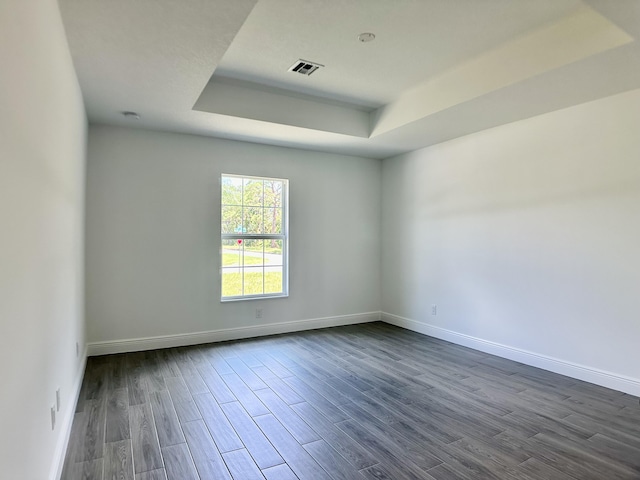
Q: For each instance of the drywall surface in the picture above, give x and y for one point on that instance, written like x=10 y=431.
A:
x=42 y=151
x=153 y=234
x=526 y=235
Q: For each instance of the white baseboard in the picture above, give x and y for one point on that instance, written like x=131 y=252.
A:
x=67 y=421
x=179 y=340
x=563 y=367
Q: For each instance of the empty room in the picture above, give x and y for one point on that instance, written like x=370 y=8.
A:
x=320 y=239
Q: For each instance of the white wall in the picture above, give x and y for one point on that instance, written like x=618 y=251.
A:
x=42 y=150
x=526 y=235
x=153 y=234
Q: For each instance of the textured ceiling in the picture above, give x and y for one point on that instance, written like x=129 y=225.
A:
x=438 y=69
x=415 y=40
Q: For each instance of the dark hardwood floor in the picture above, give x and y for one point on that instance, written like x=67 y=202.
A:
x=360 y=402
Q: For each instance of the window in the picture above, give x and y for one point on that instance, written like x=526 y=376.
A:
x=254 y=237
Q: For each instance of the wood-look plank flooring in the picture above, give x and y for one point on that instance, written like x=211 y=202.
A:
x=360 y=402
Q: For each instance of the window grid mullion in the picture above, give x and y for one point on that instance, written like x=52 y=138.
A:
x=263 y=232
x=252 y=236
x=243 y=229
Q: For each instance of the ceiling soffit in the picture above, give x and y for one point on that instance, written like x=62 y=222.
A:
x=579 y=35
x=172 y=63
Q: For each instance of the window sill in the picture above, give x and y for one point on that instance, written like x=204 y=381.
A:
x=256 y=297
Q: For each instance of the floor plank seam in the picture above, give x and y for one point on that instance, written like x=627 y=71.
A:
x=366 y=401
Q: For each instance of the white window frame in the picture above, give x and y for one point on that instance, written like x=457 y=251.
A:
x=284 y=236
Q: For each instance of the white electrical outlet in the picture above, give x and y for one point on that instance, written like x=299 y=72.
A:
x=58 y=399
x=434 y=309
x=258 y=313
x=53 y=417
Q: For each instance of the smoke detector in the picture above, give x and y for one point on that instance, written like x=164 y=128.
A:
x=304 y=67
x=367 y=37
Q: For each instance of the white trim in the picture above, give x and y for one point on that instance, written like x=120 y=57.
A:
x=67 y=421
x=581 y=372
x=252 y=236
x=178 y=340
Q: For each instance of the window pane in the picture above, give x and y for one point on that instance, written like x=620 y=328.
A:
x=253 y=253
x=253 y=220
x=272 y=220
x=273 y=280
x=253 y=207
x=273 y=252
x=272 y=193
x=231 y=282
x=253 y=280
x=232 y=253
x=253 y=193
x=231 y=191
x=231 y=219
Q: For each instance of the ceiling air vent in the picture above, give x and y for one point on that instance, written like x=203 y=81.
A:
x=304 y=68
